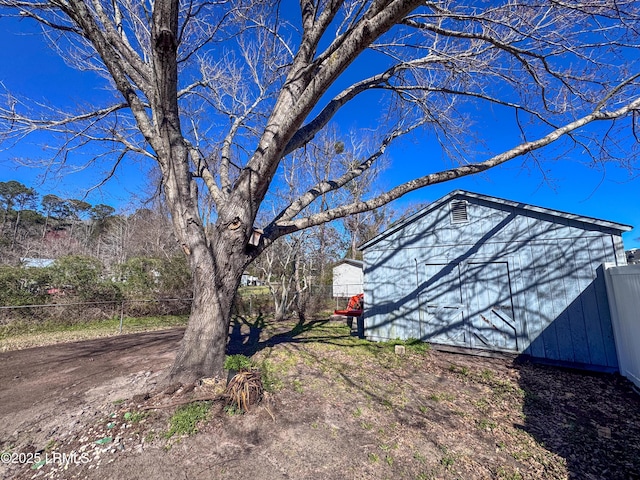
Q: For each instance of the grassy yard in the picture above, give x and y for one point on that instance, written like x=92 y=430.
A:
x=19 y=335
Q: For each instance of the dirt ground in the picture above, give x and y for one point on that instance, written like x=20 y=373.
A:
x=339 y=408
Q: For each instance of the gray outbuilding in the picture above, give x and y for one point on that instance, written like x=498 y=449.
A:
x=481 y=272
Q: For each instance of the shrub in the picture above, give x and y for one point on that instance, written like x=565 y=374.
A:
x=83 y=277
x=237 y=363
x=146 y=277
x=24 y=286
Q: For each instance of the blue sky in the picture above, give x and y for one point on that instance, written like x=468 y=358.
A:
x=32 y=69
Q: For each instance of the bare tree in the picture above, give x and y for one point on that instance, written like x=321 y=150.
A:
x=218 y=93
x=280 y=268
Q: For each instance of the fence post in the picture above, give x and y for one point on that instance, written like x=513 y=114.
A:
x=121 y=315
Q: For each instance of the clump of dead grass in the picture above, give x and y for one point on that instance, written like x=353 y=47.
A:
x=244 y=390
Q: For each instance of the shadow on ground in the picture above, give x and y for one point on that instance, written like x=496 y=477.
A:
x=592 y=420
x=249 y=337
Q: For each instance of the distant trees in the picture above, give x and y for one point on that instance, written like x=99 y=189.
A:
x=54 y=208
x=15 y=198
x=52 y=227
x=100 y=254
x=49 y=228
x=12 y=193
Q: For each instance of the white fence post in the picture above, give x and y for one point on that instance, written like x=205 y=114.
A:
x=623 y=292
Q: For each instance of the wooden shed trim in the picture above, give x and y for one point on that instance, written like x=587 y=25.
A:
x=619 y=227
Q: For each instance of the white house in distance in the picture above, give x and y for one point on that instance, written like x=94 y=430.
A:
x=249 y=280
x=348 y=278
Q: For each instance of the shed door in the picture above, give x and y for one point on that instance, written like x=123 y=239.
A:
x=441 y=311
x=490 y=309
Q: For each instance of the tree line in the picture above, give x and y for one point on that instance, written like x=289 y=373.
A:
x=91 y=253
x=49 y=226
x=84 y=252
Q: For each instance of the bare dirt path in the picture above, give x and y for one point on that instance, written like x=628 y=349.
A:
x=42 y=388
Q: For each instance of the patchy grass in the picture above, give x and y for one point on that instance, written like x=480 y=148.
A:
x=474 y=409
x=442 y=397
x=135 y=416
x=423 y=414
x=19 y=335
x=256 y=290
x=186 y=418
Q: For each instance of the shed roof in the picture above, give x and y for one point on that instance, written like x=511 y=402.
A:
x=525 y=207
x=350 y=261
x=37 y=262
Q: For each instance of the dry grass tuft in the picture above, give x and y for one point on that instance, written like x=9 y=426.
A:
x=244 y=389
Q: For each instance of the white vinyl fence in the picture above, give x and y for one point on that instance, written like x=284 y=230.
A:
x=623 y=290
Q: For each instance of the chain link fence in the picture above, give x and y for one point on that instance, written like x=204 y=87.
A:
x=84 y=312
x=250 y=302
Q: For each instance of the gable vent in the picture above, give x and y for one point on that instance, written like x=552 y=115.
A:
x=459 y=211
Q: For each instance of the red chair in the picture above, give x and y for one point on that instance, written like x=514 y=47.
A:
x=355 y=307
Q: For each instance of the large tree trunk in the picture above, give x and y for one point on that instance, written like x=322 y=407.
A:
x=216 y=260
x=216 y=276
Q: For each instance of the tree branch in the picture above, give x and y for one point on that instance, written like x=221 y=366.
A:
x=286 y=227
x=327 y=186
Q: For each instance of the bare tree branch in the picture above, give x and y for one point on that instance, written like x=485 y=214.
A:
x=331 y=185
x=287 y=227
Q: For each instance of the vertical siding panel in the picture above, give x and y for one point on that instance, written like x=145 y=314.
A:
x=535 y=299
x=544 y=277
x=590 y=305
x=405 y=291
x=508 y=234
x=443 y=225
x=537 y=230
x=376 y=285
x=607 y=254
x=620 y=256
x=605 y=318
x=562 y=295
x=581 y=277
x=603 y=301
x=517 y=300
x=513 y=243
x=545 y=301
x=475 y=227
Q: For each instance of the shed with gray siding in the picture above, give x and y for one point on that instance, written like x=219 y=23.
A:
x=481 y=272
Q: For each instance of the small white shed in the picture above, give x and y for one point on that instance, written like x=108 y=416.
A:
x=348 y=278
